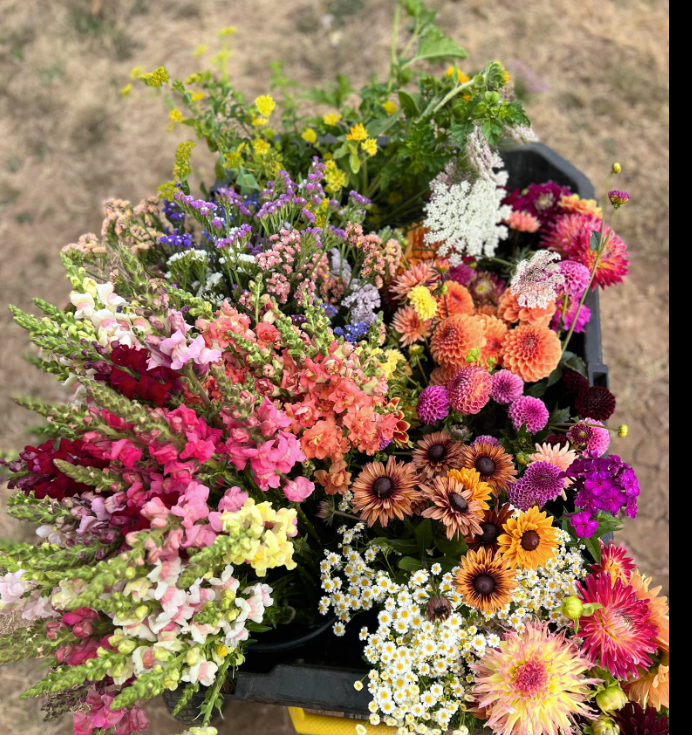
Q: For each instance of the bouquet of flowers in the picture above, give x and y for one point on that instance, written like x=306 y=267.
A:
x=338 y=380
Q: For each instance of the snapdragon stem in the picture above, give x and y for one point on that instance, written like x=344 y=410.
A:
x=199 y=389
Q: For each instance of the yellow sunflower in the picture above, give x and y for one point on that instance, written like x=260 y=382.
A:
x=529 y=541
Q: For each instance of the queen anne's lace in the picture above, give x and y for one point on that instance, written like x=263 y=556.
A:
x=537 y=281
x=466 y=219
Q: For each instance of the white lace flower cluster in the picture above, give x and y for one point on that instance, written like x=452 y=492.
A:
x=538 y=281
x=421 y=670
x=466 y=218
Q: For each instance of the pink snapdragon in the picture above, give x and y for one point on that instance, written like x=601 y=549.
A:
x=299 y=489
x=102 y=717
x=192 y=506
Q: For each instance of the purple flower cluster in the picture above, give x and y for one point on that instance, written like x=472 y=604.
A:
x=433 y=404
x=177 y=241
x=541 y=483
x=352 y=332
x=606 y=484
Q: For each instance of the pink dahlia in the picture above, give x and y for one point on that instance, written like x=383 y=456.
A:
x=566 y=230
x=583 y=317
x=523 y=222
x=614 y=264
x=541 y=483
x=486 y=440
x=619 y=636
x=534 y=683
x=462 y=274
x=530 y=411
x=577 y=277
x=590 y=437
x=616 y=563
x=433 y=405
x=469 y=390
x=507 y=387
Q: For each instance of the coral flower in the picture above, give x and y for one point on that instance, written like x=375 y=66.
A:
x=454 y=338
x=653 y=688
x=531 y=352
x=410 y=326
x=614 y=264
x=380 y=493
x=574 y=204
x=495 y=333
x=511 y=312
x=457 y=300
x=436 y=455
x=470 y=389
x=471 y=480
x=485 y=582
x=534 y=684
x=420 y=275
x=523 y=222
x=529 y=541
x=492 y=528
x=443 y=376
x=454 y=506
x=619 y=636
x=494 y=465
x=659 y=609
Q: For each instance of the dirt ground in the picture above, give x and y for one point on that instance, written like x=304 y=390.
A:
x=597 y=71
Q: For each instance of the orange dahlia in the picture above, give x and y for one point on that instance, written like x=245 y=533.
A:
x=380 y=493
x=511 y=312
x=409 y=326
x=417 y=249
x=454 y=506
x=494 y=465
x=457 y=300
x=574 y=204
x=471 y=480
x=660 y=612
x=495 y=333
x=422 y=274
x=531 y=352
x=485 y=582
x=443 y=375
x=485 y=310
x=653 y=688
x=454 y=338
x=529 y=541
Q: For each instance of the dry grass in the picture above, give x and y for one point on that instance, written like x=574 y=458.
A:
x=67 y=141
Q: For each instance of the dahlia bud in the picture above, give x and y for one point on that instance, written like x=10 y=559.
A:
x=573 y=608
x=618 y=198
x=617 y=168
x=439 y=609
x=606 y=726
x=459 y=433
x=611 y=700
x=623 y=431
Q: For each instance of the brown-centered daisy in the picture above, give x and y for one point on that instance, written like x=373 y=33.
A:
x=381 y=492
x=529 y=541
x=485 y=581
x=492 y=527
x=492 y=463
x=471 y=480
x=437 y=454
x=454 y=506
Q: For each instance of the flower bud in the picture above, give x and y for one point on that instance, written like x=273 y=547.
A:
x=127 y=646
x=141 y=612
x=617 y=168
x=573 y=608
x=624 y=431
x=611 y=700
x=606 y=726
x=439 y=609
x=193 y=657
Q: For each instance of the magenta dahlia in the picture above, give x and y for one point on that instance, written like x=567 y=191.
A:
x=469 y=390
x=619 y=637
x=577 y=277
x=613 y=265
x=433 y=405
x=582 y=316
x=541 y=483
x=530 y=411
x=507 y=387
x=590 y=437
x=486 y=440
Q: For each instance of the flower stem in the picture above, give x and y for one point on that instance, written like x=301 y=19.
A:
x=308 y=525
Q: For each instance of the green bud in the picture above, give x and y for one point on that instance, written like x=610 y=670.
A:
x=573 y=608
x=162 y=654
x=127 y=646
x=193 y=657
x=611 y=700
x=606 y=726
x=141 y=612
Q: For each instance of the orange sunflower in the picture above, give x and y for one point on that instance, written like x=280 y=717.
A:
x=454 y=338
x=531 y=352
x=492 y=463
x=454 y=506
x=382 y=493
x=529 y=541
x=492 y=528
x=485 y=582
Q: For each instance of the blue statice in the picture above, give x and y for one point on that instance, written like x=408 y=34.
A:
x=353 y=332
x=183 y=240
x=173 y=212
x=364 y=303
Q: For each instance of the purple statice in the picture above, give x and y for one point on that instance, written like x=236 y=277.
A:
x=352 y=332
x=605 y=485
x=462 y=274
x=173 y=212
x=433 y=405
x=583 y=318
x=329 y=310
x=541 y=483
x=234 y=236
x=199 y=205
x=486 y=288
x=245 y=206
x=358 y=199
x=363 y=303
x=183 y=240
x=584 y=524
x=540 y=200
x=300 y=319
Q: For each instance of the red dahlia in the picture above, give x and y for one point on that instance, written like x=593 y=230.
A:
x=596 y=403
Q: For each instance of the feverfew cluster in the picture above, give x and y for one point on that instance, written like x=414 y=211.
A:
x=428 y=639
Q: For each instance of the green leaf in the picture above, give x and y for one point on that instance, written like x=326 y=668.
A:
x=555 y=377
x=538 y=390
x=454 y=548
x=607 y=524
x=560 y=416
x=449 y=563
x=410 y=103
x=381 y=126
x=401 y=546
x=593 y=546
x=342 y=152
x=424 y=535
x=436 y=45
x=574 y=362
x=247 y=181
x=354 y=162
x=409 y=564
x=596 y=241
x=460 y=131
